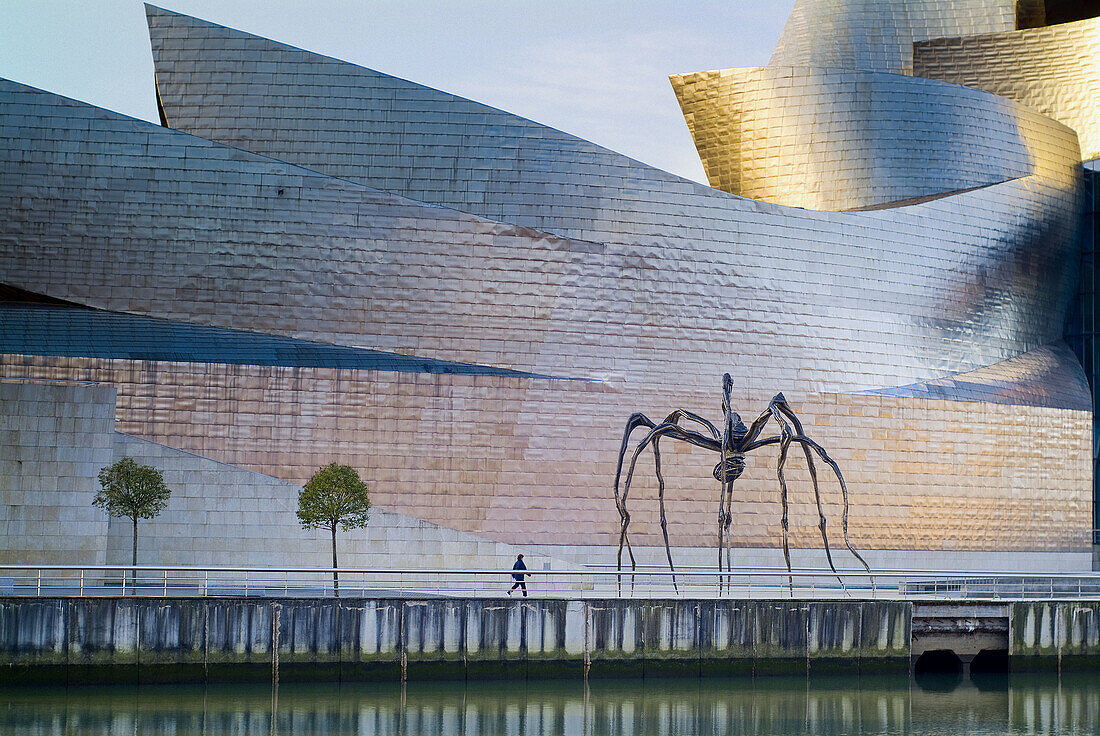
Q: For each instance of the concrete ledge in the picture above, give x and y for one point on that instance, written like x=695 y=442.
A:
x=146 y=640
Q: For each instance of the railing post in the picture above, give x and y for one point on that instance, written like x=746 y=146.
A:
x=165 y=583
x=205 y=583
x=39 y=588
x=246 y=583
x=124 y=585
x=81 y=582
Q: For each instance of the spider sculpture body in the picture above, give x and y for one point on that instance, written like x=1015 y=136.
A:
x=733 y=442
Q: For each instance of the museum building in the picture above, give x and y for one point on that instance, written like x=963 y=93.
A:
x=313 y=262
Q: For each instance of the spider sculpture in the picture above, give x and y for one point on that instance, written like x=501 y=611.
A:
x=733 y=443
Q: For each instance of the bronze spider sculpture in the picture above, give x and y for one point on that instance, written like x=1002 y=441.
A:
x=733 y=443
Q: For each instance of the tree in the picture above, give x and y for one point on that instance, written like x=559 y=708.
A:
x=132 y=491
x=333 y=497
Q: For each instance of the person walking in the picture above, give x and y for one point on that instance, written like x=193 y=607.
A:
x=518 y=576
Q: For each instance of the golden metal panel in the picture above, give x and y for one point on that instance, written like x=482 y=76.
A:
x=878 y=35
x=833 y=139
x=1053 y=69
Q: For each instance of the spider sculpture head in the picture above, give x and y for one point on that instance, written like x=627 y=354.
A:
x=733 y=442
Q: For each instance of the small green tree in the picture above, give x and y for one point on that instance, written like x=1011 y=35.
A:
x=132 y=491
x=333 y=497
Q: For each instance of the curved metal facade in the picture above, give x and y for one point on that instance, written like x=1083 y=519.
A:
x=878 y=35
x=363 y=126
x=640 y=312
x=918 y=341
x=1051 y=69
x=833 y=139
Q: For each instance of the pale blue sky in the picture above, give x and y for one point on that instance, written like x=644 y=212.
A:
x=594 y=68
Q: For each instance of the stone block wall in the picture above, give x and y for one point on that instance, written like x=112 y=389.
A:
x=532 y=462
x=54 y=439
x=223 y=515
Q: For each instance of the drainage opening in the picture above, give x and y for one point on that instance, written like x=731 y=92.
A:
x=990 y=662
x=989 y=670
x=938 y=662
x=938 y=671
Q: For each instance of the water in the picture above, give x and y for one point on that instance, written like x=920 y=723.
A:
x=932 y=706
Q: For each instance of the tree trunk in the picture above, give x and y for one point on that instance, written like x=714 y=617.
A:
x=335 y=575
x=133 y=588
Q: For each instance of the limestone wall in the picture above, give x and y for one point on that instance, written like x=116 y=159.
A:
x=222 y=515
x=54 y=438
x=532 y=462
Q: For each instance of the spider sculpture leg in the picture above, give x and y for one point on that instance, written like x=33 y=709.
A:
x=635 y=421
x=725 y=520
x=722 y=520
x=735 y=442
x=785 y=408
x=661 y=501
x=673 y=430
x=844 y=491
x=654 y=436
x=807 y=445
x=729 y=521
x=784 y=443
x=641 y=420
x=674 y=418
x=784 y=411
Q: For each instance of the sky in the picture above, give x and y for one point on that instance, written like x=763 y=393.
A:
x=594 y=68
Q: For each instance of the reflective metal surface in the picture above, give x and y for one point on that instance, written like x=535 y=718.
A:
x=878 y=35
x=833 y=139
x=945 y=286
x=1052 y=69
x=552 y=256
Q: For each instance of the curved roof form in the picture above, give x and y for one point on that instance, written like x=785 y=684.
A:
x=834 y=139
x=872 y=303
x=1051 y=69
x=878 y=35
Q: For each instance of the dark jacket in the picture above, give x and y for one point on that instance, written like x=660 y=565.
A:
x=519 y=566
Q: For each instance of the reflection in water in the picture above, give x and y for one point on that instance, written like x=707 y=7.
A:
x=1010 y=705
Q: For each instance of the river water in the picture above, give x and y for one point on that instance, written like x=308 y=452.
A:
x=934 y=706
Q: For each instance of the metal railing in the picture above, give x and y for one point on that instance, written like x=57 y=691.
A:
x=740 y=583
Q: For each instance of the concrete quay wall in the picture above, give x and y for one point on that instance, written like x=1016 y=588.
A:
x=1061 y=635
x=95 y=640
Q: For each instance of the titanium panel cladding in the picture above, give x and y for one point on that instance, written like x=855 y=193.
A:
x=878 y=35
x=918 y=340
x=654 y=228
x=830 y=139
x=1052 y=69
x=804 y=300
